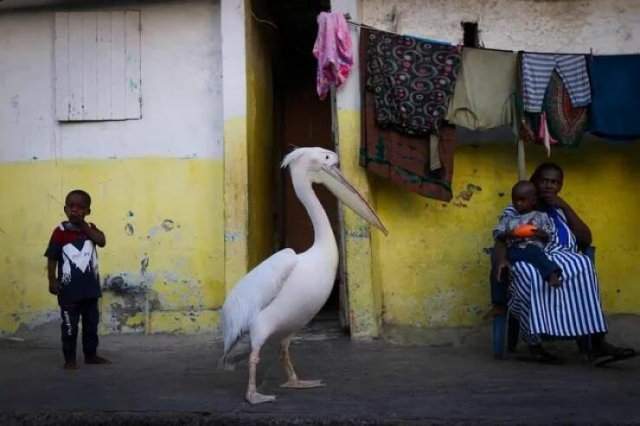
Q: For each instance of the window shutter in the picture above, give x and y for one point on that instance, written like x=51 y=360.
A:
x=97 y=65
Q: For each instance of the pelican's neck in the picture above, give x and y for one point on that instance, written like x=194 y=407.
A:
x=323 y=234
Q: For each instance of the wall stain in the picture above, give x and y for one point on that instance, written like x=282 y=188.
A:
x=466 y=194
x=358 y=233
x=128 y=229
x=144 y=264
x=168 y=225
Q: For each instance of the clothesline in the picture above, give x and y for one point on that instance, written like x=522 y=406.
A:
x=360 y=25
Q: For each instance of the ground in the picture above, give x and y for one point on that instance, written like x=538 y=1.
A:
x=166 y=379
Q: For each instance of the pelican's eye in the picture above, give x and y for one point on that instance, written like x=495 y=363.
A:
x=326 y=157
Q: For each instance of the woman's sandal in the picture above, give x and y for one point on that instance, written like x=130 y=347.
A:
x=609 y=353
x=542 y=356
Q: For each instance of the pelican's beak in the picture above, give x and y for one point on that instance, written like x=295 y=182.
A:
x=333 y=179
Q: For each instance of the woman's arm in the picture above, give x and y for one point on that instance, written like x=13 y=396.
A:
x=500 y=256
x=577 y=225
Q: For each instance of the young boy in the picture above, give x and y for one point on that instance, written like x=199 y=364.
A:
x=73 y=276
x=528 y=249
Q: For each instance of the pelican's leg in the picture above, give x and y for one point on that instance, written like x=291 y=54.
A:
x=292 y=378
x=252 y=395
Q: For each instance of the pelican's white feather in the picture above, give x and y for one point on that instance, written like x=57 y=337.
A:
x=252 y=293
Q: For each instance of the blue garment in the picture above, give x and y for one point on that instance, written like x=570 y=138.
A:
x=561 y=227
x=535 y=256
x=571 y=310
x=615 y=82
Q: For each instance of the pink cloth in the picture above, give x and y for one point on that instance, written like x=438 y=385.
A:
x=544 y=135
x=333 y=51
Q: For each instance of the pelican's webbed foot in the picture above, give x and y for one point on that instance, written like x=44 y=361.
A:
x=303 y=384
x=258 y=398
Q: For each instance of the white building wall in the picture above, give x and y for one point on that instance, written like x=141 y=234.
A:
x=181 y=89
x=606 y=26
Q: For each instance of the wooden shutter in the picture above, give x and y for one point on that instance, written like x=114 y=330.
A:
x=97 y=65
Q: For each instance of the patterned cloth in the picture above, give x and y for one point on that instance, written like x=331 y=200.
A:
x=536 y=72
x=333 y=51
x=412 y=80
x=573 y=309
x=566 y=123
x=616 y=96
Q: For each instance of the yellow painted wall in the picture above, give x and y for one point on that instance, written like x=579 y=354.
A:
x=432 y=267
x=168 y=211
x=261 y=142
x=364 y=288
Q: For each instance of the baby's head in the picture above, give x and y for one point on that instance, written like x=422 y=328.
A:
x=523 y=196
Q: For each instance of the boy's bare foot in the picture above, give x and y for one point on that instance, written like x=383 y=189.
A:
x=554 y=279
x=70 y=365
x=95 y=359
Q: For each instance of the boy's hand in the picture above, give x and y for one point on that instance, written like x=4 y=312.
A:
x=54 y=287
x=94 y=234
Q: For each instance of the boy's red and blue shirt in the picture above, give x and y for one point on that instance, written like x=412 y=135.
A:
x=77 y=260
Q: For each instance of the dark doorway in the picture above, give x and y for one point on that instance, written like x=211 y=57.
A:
x=302 y=121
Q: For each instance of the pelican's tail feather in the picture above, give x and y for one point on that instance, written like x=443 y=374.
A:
x=252 y=294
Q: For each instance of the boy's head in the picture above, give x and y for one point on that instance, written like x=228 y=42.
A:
x=77 y=205
x=523 y=196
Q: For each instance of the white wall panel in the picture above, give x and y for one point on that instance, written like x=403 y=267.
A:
x=97 y=65
x=181 y=75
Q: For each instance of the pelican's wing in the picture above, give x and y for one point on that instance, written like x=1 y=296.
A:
x=253 y=292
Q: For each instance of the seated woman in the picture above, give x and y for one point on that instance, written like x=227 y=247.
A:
x=572 y=310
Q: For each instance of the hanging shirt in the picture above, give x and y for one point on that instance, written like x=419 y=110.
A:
x=77 y=261
x=484 y=96
x=616 y=96
x=536 y=73
x=333 y=50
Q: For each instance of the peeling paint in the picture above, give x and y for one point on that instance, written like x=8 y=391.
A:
x=125 y=283
x=128 y=229
x=232 y=236
x=358 y=233
x=144 y=264
x=168 y=225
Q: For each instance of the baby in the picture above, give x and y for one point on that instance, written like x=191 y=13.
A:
x=527 y=245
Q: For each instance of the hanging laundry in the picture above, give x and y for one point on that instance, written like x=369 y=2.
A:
x=484 y=96
x=405 y=160
x=412 y=80
x=536 y=73
x=616 y=96
x=543 y=134
x=333 y=50
x=566 y=123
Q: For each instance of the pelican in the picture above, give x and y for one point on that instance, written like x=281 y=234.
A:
x=284 y=292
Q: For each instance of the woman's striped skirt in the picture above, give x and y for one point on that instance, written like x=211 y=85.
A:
x=571 y=310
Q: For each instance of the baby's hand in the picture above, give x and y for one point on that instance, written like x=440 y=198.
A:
x=541 y=234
